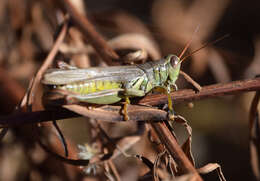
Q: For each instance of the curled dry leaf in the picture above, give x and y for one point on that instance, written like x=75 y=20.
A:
x=211 y=167
x=186 y=147
x=186 y=177
x=130 y=41
x=119 y=21
x=139 y=55
x=136 y=42
x=156 y=168
x=254 y=140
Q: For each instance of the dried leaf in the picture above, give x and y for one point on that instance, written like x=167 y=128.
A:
x=186 y=147
x=254 y=141
x=186 y=177
x=212 y=167
x=139 y=55
x=124 y=144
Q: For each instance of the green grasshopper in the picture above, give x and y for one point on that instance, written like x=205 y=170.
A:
x=109 y=85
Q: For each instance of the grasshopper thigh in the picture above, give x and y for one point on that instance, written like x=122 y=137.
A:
x=101 y=97
x=134 y=92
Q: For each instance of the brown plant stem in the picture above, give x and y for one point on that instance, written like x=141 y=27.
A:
x=174 y=149
x=21 y=118
x=185 y=95
x=210 y=91
x=96 y=40
x=47 y=62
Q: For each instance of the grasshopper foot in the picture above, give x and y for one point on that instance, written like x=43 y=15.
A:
x=171 y=115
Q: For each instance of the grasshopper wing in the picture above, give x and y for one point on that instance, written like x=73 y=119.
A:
x=113 y=73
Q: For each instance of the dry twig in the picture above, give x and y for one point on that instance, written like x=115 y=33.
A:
x=185 y=95
x=91 y=34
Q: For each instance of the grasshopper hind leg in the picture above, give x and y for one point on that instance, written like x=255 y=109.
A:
x=125 y=112
x=129 y=93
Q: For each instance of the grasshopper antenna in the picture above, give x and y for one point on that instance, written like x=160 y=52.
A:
x=203 y=46
x=189 y=42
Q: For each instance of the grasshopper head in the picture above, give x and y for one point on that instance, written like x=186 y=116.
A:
x=174 y=68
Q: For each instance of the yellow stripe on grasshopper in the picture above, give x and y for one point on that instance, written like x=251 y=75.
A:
x=91 y=87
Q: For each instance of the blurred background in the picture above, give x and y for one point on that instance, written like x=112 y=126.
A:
x=161 y=27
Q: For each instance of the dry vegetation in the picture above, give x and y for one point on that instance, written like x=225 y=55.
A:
x=38 y=143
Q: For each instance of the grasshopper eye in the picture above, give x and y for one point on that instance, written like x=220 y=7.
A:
x=174 y=61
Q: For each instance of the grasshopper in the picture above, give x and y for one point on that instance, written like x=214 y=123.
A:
x=109 y=85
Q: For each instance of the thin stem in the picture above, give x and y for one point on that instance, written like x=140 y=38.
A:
x=185 y=95
x=210 y=91
x=174 y=149
x=96 y=40
x=190 y=80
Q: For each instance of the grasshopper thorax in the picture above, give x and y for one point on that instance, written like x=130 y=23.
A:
x=174 y=68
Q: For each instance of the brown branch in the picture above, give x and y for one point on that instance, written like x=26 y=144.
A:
x=47 y=62
x=96 y=40
x=162 y=131
x=174 y=149
x=185 y=95
x=210 y=91
x=21 y=118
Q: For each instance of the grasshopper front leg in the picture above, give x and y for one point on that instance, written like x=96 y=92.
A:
x=167 y=90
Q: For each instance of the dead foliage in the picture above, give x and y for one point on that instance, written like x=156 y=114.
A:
x=37 y=143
